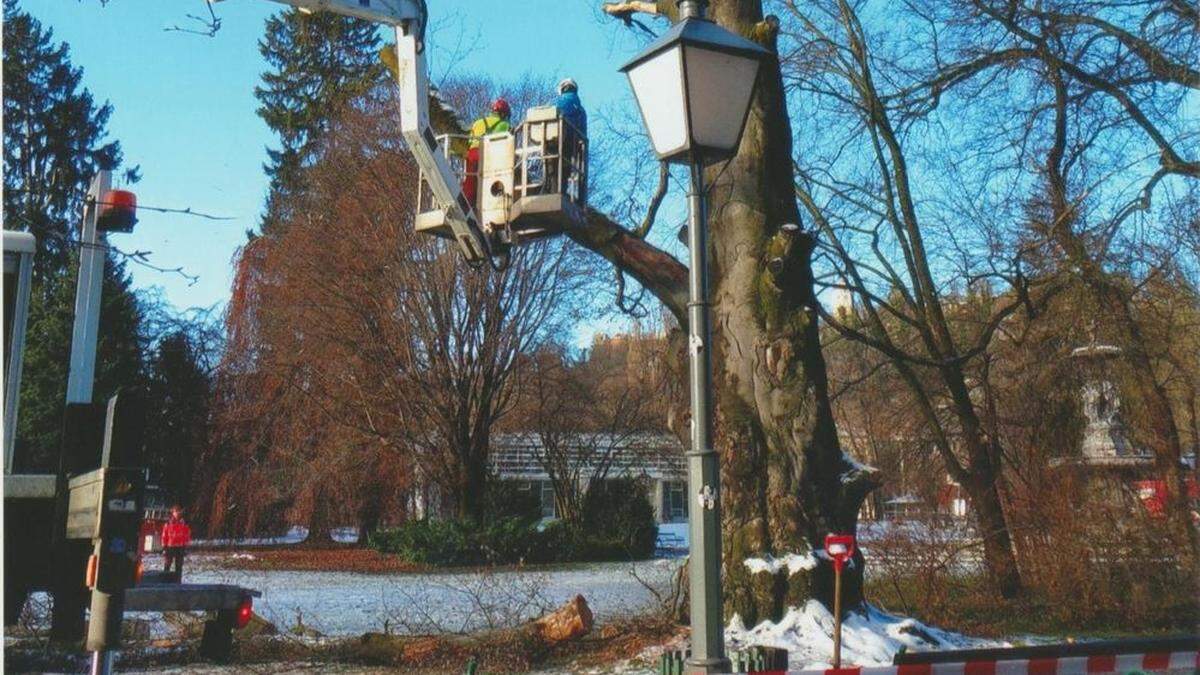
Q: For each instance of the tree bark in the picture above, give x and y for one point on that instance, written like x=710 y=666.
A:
x=320 y=521
x=370 y=506
x=998 y=556
x=473 y=472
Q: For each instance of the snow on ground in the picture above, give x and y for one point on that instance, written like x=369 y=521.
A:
x=349 y=604
x=294 y=535
x=867 y=639
x=792 y=562
x=672 y=537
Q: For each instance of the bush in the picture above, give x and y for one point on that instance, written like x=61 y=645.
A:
x=456 y=542
x=429 y=542
x=618 y=525
x=618 y=512
x=505 y=500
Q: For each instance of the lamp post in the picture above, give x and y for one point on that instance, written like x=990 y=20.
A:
x=693 y=86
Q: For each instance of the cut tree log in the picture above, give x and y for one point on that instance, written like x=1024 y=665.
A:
x=517 y=648
x=568 y=622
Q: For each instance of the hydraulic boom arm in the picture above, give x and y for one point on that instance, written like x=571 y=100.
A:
x=409 y=18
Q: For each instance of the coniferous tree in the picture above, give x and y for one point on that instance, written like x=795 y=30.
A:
x=119 y=350
x=54 y=138
x=319 y=63
x=54 y=142
x=178 y=403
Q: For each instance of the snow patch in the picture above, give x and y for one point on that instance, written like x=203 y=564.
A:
x=792 y=562
x=869 y=638
x=855 y=471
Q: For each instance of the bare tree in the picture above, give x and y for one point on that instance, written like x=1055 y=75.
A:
x=1116 y=85
x=589 y=416
x=947 y=206
x=902 y=259
x=365 y=357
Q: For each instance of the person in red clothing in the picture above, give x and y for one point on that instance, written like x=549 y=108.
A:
x=492 y=123
x=176 y=535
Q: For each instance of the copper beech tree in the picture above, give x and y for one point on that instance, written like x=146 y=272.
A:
x=365 y=359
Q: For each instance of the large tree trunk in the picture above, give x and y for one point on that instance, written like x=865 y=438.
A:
x=981 y=480
x=473 y=475
x=998 y=555
x=320 y=520
x=370 y=508
x=785 y=482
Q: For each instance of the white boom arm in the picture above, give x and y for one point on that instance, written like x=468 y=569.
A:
x=409 y=18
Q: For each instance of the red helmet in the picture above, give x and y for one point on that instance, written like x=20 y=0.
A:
x=500 y=107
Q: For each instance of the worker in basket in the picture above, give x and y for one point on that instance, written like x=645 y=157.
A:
x=176 y=536
x=570 y=109
x=494 y=122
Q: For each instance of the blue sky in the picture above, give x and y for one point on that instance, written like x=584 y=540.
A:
x=184 y=104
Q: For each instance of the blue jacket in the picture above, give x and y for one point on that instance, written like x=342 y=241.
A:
x=571 y=109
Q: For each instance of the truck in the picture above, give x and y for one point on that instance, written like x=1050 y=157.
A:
x=72 y=525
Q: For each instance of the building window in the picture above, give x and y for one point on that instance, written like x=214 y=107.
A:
x=675 y=503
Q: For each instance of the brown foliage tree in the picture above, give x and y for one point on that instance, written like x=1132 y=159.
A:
x=590 y=414
x=363 y=357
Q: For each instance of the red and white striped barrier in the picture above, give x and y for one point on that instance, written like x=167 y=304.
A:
x=1182 y=662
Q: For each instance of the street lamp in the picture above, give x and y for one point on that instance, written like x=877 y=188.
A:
x=693 y=86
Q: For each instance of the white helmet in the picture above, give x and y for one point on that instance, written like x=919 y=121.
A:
x=567 y=84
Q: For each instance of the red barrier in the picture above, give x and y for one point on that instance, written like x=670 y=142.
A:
x=1154 y=662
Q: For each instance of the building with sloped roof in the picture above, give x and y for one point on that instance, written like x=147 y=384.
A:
x=656 y=458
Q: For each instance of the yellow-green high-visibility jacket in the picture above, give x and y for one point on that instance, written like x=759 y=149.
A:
x=489 y=124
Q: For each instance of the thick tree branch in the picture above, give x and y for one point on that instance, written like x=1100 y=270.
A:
x=656 y=270
x=1169 y=158
x=621 y=10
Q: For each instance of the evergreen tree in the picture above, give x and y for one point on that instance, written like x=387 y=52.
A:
x=54 y=142
x=178 y=406
x=319 y=63
x=54 y=138
x=119 y=350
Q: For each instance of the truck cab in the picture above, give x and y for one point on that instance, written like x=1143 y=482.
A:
x=28 y=497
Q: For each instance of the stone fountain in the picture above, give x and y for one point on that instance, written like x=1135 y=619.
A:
x=1105 y=441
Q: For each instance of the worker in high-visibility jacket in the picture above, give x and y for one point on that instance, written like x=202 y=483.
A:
x=176 y=536
x=494 y=122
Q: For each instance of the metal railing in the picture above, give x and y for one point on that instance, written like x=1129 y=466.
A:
x=551 y=158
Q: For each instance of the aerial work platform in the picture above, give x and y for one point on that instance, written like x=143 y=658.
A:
x=532 y=181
